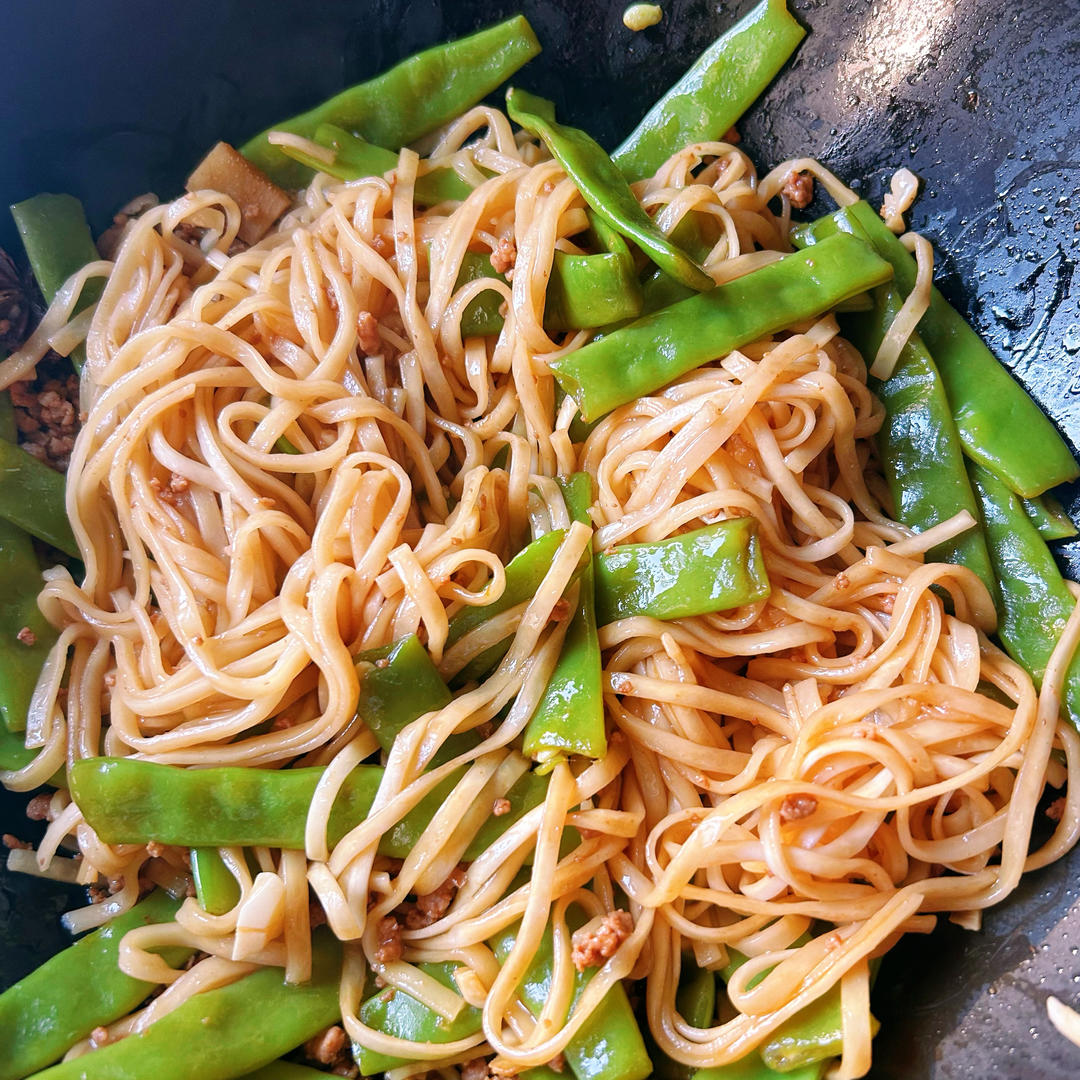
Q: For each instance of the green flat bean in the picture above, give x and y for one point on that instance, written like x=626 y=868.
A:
x=133 y=802
x=659 y=348
x=716 y=90
x=411 y=99
x=75 y=991
x=752 y=1067
x=603 y=187
x=714 y=568
x=58 y=243
x=396 y=1013
x=215 y=887
x=1049 y=517
x=284 y=1070
x=569 y=718
x=921 y=452
x=32 y=497
x=1035 y=602
x=608 y=1046
x=1000 y=426
x=223 y=1033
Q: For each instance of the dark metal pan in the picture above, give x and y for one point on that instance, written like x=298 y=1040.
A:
x=981 y=98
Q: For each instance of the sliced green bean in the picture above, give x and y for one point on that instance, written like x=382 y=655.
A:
x=752 y=1067
x=1035 y=601
x=717 y=89
x=58 y=243
x=659 y=348
x=921 y=452
x=223 y=1033
x=75 y=991
x=284 y=1070
x=603 y=187
x=32 y=497
x=215 y=888
x=1001 y=427
x=396 y=1013
x=411 y=99
x=569 y=718
x=133 y=802
x=714 y=568
x=1049 y=517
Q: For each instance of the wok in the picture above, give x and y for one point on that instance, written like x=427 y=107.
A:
x=979 y=97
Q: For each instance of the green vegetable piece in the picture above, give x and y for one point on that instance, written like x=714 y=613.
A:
x=752 y=1067
x=1049 y=517
x=223 y=1033
x=608 y=1046
x=602 y=186
x=988 y=404
x=398 y=687
x=32 y=497
x=355 y=159
x=1035 y=601
x=810 y=1037
x=569 y=718
x=284 y=1070
x=696 y=997
x=716 y=90
x=58 y=242
x=216 y=889
x=20 y=659
x=714 y=568
x=75 y=991
x=524 y=573
x=584 y=291
x=411 y=99
x=133 y=802
x=661 y=347
x=394 y=1012
x=920 y=447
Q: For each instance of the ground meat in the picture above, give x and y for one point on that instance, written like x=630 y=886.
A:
x=27 y=636
x=476 y=1069
x=390 y=947
x=502 y=1070
x=504 y=256
x=316 y=914
x=1056 y=809
x=99 y=1037
x=327 y=1046
x=39 y=808
x=13 y=842
x=155 y=850
x=109 y=241
x=172 y=492
x=732 y=136
x=560 y=610
x=367 y=329
x=557 y=1063
x=593 y=945
x=46 y=412
x=795 y=807
x=799 y=189
x=500 y=807
x=434 y=904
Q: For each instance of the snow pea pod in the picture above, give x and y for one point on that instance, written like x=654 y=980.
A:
x=695 y=1001
x=608 y=1046
x=1000 y=426
x=752 y=1067
x=133 y=802
x=21 y=656
x=710 y=569
x=1049 y=517
x=401 y=1015
x=920 y=448
x=75 y=991
x=58 y=242
x=583 y=292
x=569 y=718
x=284 y=1070
x=412 y=98
x=524 y=573
x=216 y=889
x=32 y=497
x=651 y=352
x=716 y=90
x=1035 y=602
x=602 y=186
x=223 y=1033
x=355 y=158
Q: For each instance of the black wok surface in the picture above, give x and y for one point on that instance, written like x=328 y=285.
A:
x=979 y=97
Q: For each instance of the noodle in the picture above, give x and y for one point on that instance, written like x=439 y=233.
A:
x=827 y=754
